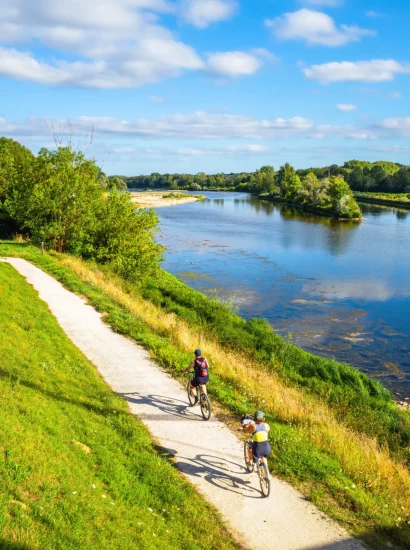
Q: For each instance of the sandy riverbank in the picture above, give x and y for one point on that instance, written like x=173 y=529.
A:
x=162 y=198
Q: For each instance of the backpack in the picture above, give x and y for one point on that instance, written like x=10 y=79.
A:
x=201 y=367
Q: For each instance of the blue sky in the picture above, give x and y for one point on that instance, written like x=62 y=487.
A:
x=209 y=85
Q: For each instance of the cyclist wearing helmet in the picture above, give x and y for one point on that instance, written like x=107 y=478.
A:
x=201 y=373
x=260 y=431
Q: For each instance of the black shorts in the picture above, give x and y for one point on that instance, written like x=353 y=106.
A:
x=199 y=380
x=260 y=449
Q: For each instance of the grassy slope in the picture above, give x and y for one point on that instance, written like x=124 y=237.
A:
x=342 y=471
x=52 y=493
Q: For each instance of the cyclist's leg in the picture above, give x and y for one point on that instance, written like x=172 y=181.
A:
x=194 y=391
x=255 y=455
x=250 y=454
x=203 y=388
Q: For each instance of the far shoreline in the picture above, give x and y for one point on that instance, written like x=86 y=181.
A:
x=159 y=199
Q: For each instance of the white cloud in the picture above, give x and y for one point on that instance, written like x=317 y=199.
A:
x=114 y=43
x=199 y=125
x=157 y=99
x=233 y=63
x=376 y=70
x=394 y=95
x=201 y=13
x=249 y=148
x=372 y=13
x=161 y=59
x=315 y=28
x=234 y=151
x=399 y=126
x=208 y=126
x=346 y=107
x=262 y=53
x=390 y=149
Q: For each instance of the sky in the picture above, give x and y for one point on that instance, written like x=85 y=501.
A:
x=208 y=85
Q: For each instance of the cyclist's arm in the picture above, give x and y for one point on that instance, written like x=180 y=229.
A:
x=248 y=428
x=191 y=366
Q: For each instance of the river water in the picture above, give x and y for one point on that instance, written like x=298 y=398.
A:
x=336 y=288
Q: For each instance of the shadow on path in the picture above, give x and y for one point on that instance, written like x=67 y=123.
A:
x=342 y=545
x=174 y=408
x=218 y=472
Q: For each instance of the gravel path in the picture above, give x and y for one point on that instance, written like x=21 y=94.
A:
x=208 y=453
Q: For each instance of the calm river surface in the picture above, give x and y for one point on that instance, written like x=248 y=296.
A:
x=337 y=288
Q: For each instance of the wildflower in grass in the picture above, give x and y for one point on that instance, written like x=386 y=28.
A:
x=104 y=496
x=74 y=492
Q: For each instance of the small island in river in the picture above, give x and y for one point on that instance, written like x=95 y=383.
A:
x=331 y=197
x=159 y=199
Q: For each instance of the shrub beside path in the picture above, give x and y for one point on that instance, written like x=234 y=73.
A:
x=208 y=453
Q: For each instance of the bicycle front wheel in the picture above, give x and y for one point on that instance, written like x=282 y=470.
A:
x=247 y=451
x=191 y=398
x=205 y=406
x=264 y=479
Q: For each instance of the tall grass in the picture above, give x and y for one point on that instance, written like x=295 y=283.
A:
x=347 y=472
x=359 y=401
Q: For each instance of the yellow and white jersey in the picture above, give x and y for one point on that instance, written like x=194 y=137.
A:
x=261 y=433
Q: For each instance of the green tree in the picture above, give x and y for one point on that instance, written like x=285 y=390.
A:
x=309 y=188
x=290 y=184
x=58 y=204
x=116 y=184
x=341 y=198
x=123 y=238
x=284 y=173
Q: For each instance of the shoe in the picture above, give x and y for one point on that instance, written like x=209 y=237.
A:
x=196 y=401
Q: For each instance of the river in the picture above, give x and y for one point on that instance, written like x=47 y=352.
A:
x=338 y=289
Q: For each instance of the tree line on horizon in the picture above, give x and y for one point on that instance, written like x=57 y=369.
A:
x=379 y=176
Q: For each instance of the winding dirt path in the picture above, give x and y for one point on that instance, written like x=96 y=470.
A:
x=208 y=453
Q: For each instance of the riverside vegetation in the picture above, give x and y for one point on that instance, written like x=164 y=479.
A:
x=337 y=434
x=401 y=200
x=379 y=176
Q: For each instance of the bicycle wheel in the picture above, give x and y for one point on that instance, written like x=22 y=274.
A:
x=249 y=464
x=264 y=478
x=205 y=406
x=191 y=398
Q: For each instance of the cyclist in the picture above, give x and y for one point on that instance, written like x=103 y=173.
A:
x=201 y=374
x=260 y=431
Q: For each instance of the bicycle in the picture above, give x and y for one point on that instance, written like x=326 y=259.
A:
x=204 y=402
x=261 y=468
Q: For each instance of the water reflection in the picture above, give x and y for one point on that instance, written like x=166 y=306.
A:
x=340 y=288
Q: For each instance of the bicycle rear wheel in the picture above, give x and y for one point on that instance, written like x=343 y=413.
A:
x=191 y=398
x=264 y=479
x=205 y=406
x=246 y=451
